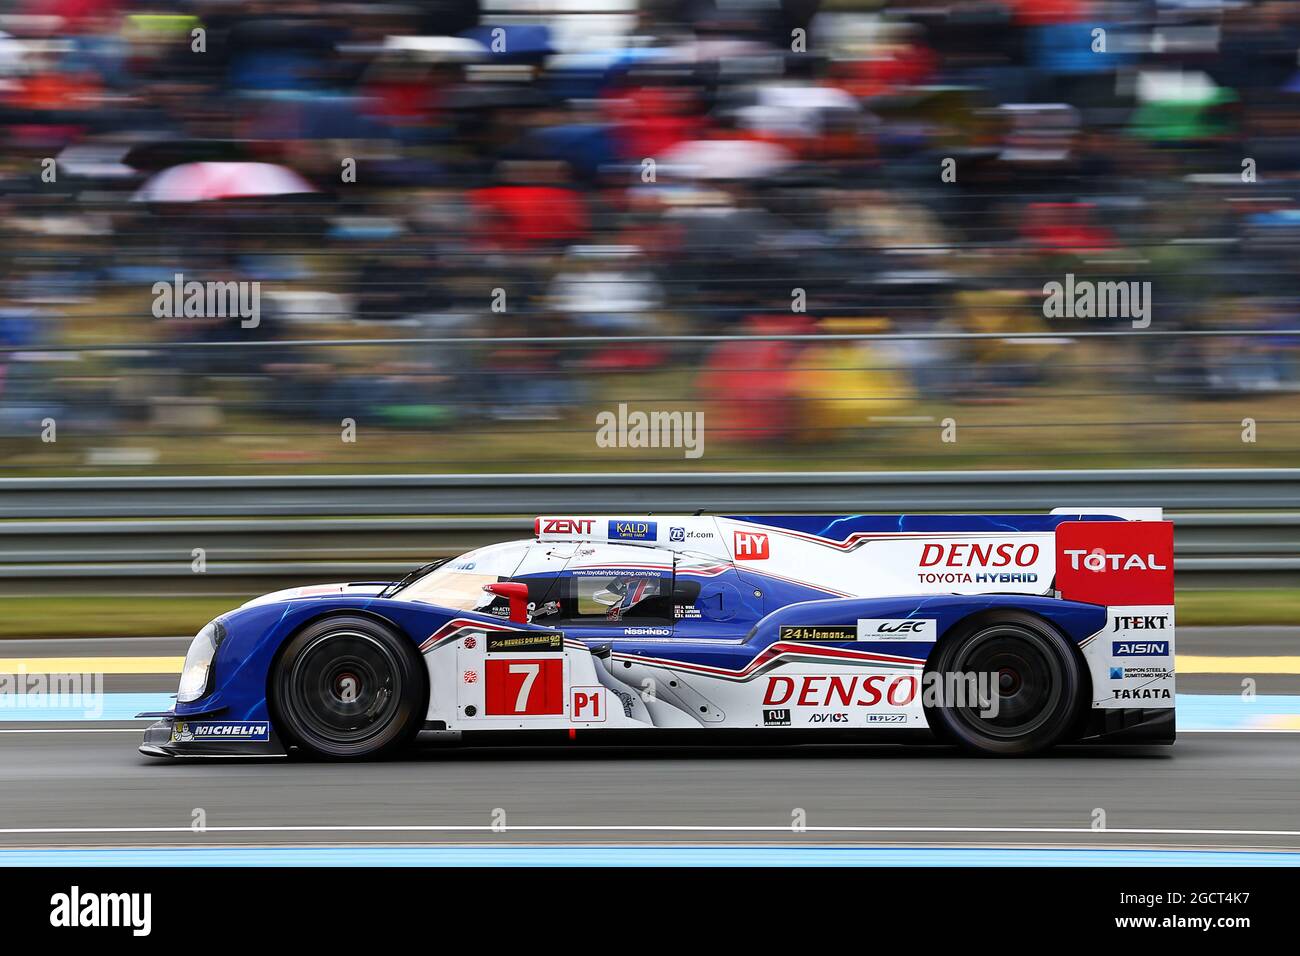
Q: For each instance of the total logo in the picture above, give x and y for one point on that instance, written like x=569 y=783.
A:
x=750 y=546
x=1116 y=563
x=827 y=690
x=1099 y=560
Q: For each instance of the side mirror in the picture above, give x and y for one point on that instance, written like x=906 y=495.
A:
x=516 y=594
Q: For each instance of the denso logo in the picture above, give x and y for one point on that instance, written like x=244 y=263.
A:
x=750 y=546
x=565 y=525
x=824 y=690
x=978 y=555
x=1099 y=560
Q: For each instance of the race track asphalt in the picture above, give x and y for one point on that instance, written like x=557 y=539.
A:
x=85 y=785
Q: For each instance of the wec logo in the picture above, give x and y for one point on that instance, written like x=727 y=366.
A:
x=917 y=630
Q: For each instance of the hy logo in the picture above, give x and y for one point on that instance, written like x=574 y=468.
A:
x=750 y=546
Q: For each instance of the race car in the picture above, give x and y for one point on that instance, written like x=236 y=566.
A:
x=1004 y=634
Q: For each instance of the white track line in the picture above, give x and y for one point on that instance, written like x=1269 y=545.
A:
x=73 y=730
x=657 y=828
x=143 y=725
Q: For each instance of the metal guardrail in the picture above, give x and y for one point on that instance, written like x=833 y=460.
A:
x=138 y=535
x=585 y=493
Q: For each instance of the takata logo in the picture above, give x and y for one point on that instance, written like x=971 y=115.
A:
x=565 y=525
x=751 y=546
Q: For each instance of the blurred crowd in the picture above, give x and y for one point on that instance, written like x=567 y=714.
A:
x=619 y=176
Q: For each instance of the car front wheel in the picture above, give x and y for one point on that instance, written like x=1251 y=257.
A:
x=349 y=687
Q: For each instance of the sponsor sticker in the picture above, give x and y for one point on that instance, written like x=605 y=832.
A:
x=776 y=717
x=564 y=526
x=1140 y=648
x=750 y=546
x=833 y=632
x=1117 y=563
x=587 y=704
x=1144 y=693
x=633 y=530
x=190 y=731
x=1141 y=673
x=904 y=630
x=524 y=642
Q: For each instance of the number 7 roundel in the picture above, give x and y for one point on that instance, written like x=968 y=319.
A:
x=527 y=687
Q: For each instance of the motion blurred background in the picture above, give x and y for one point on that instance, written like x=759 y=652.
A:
x=791 y=146
x=477 y=226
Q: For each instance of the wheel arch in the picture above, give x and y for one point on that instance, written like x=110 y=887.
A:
x=323 y=615
x=982 y=616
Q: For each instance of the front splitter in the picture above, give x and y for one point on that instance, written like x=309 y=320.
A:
x=170 y=738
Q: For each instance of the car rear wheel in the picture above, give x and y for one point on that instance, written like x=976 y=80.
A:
x=349 y=687
x=1031 y=680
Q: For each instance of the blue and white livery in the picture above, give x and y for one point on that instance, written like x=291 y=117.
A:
x=1002 y=633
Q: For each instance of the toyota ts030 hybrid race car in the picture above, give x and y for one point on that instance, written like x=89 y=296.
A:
x=1002 y=633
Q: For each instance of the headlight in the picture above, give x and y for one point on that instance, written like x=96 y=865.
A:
x=198 y=662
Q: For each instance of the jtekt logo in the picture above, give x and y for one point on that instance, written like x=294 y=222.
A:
x=1141 y=622
x=74 y=909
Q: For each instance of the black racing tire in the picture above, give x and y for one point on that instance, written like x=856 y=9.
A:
x=1040 y=680
x=349 y=687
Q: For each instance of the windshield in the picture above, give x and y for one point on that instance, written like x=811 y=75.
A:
x=458 y=584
